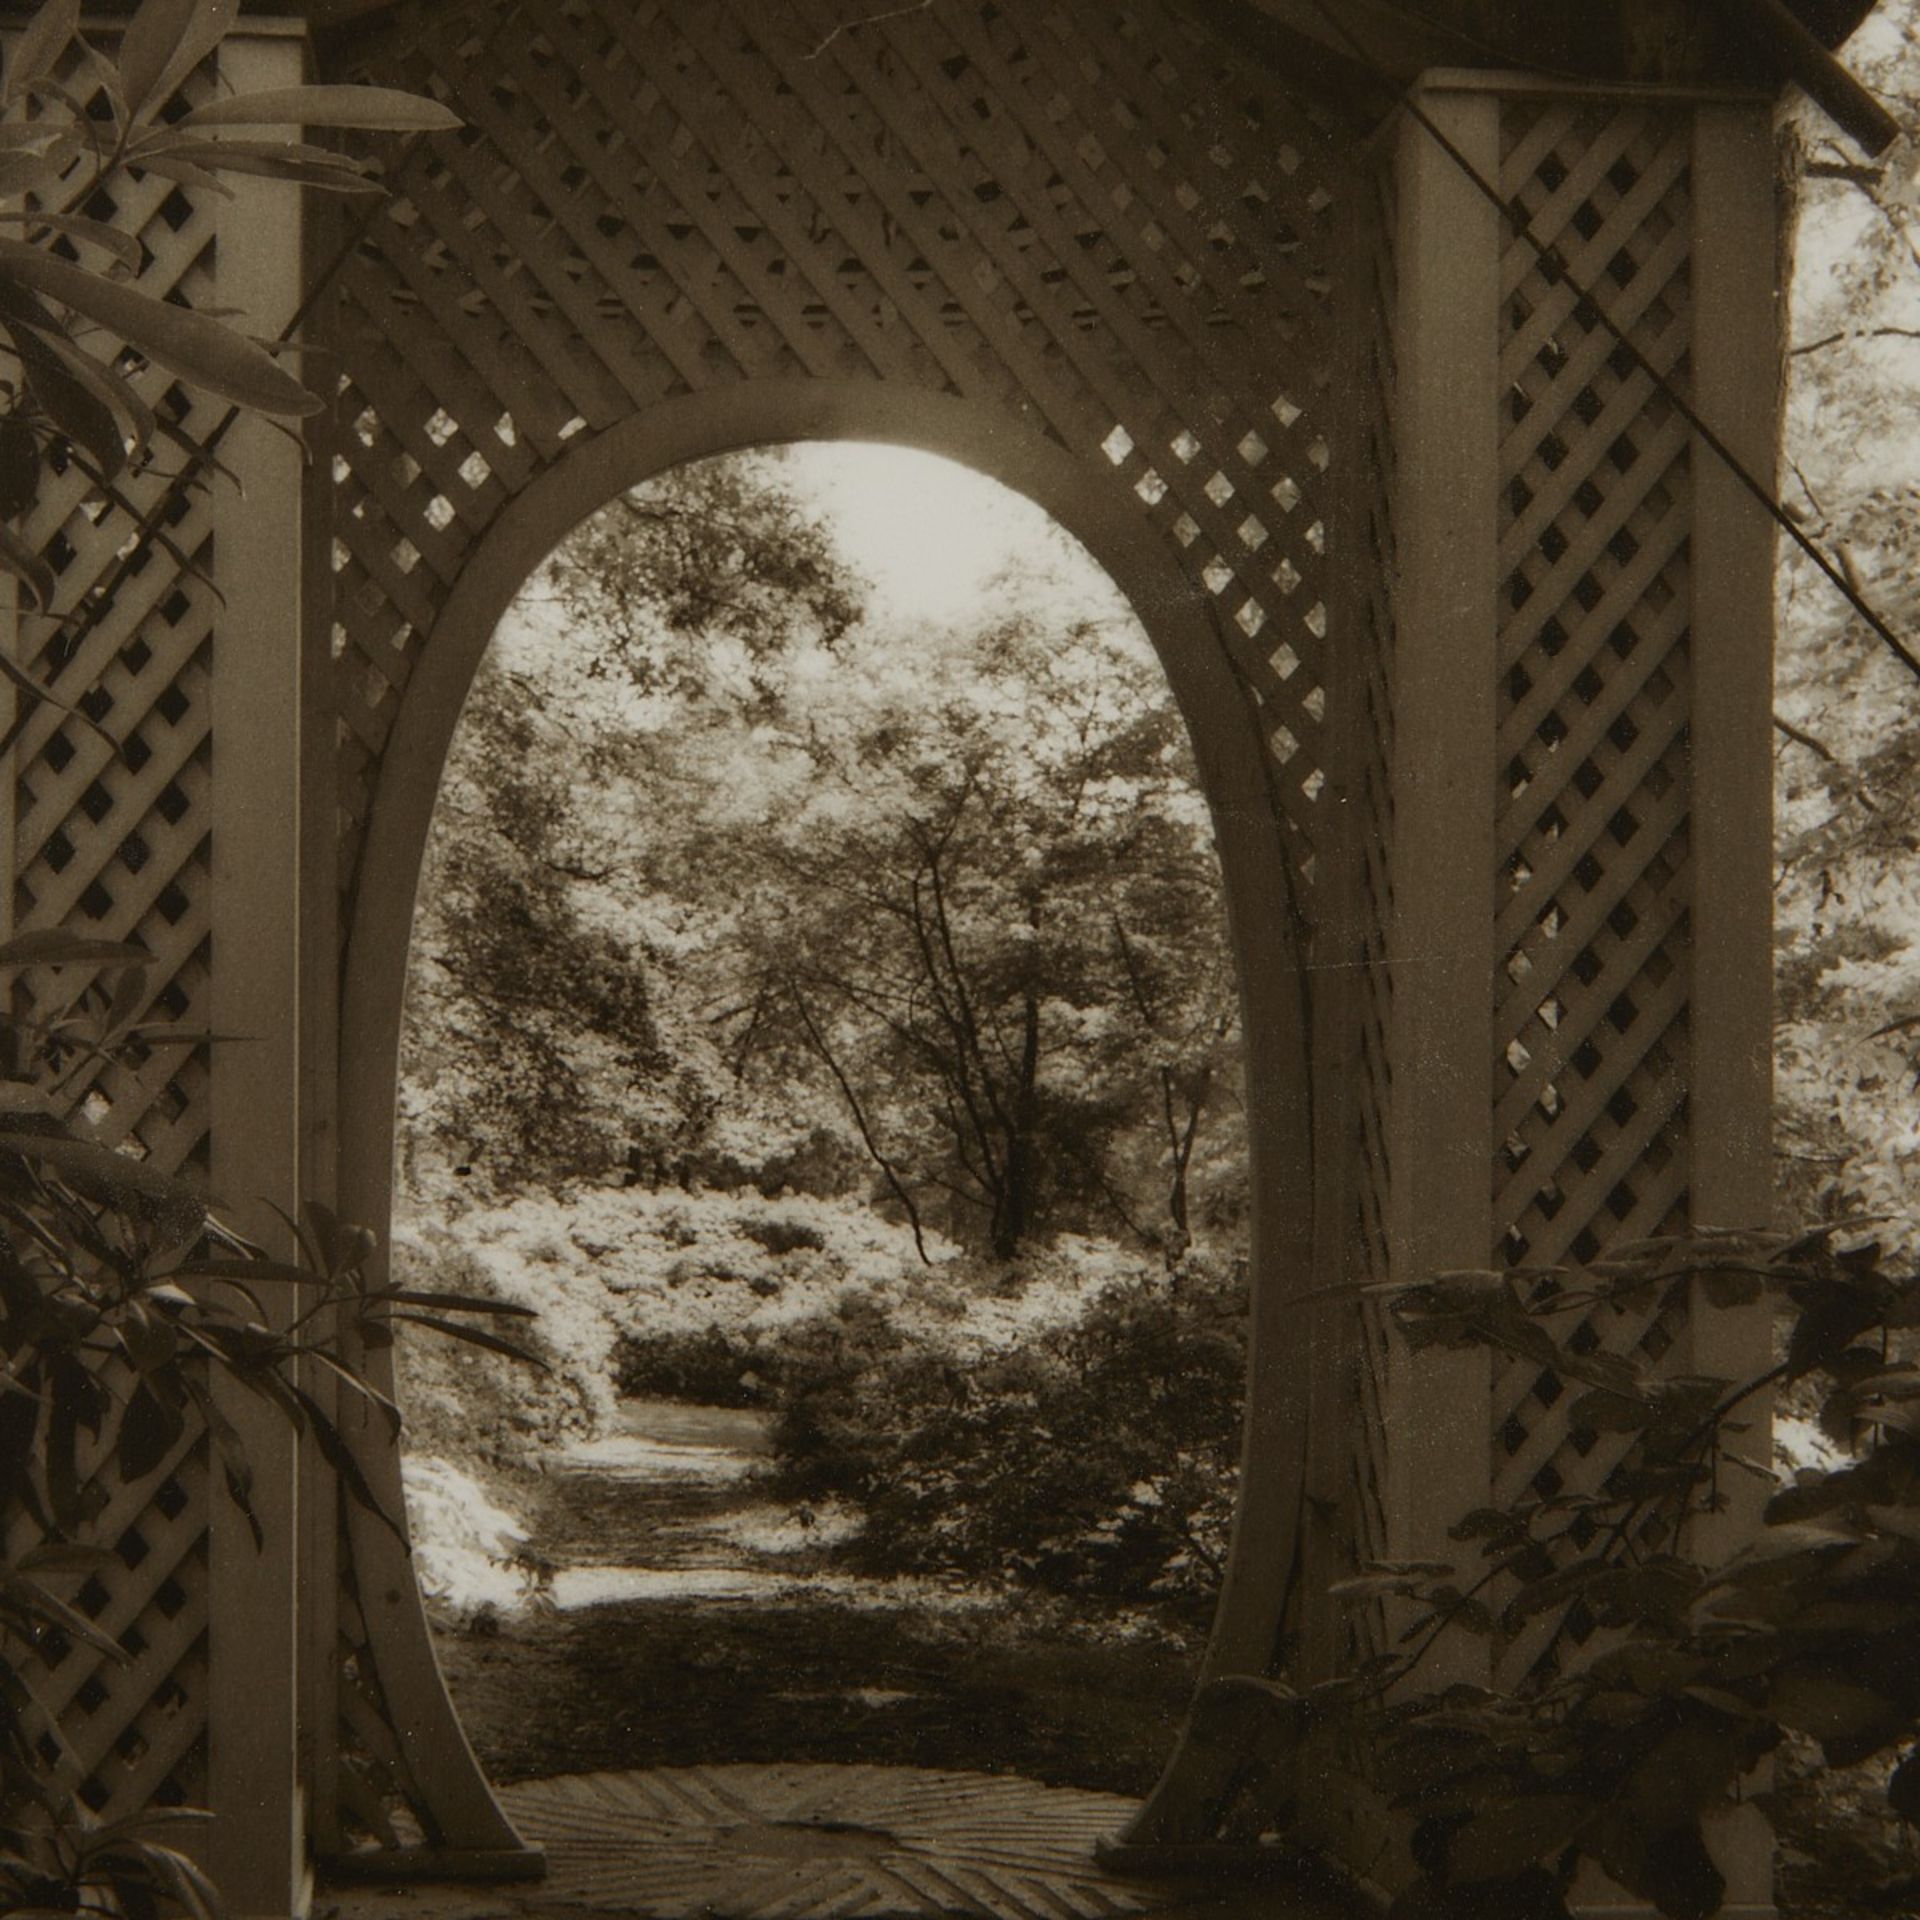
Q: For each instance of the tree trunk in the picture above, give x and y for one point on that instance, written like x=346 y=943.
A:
x=1014 y=1209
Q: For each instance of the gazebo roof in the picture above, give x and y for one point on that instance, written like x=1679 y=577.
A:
x=1361 y=47
x=1371 y=46
x=1601 y=38
x=1604 y=39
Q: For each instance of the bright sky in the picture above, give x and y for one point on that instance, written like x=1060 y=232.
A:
x=931 y=535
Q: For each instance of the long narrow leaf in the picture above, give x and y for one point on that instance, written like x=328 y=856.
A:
x=370 y=109
x=250 y=1271
x=217 y=19
x=57 y=947
x=169 y=167
x=332 y=173
x=26 y=565
x=364 y=1389
x=29 y=172
x=114 y=390
x=113 y=240
x=339 y=1456
x=100 y=1169
x=72 y=401
x=41 y=43
x=475 y=1337
x=453 y=1302
x=232 y=1451
x=50 y=1608
x=164 y=41
x=203 y=351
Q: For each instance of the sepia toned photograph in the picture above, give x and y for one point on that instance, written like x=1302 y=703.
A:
x=961 y=960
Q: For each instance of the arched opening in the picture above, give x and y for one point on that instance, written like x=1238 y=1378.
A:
x=1232 y=770
x=821 y=1014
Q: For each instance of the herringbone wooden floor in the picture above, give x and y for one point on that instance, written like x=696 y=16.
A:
x=751 y=1841
x=818 y=1843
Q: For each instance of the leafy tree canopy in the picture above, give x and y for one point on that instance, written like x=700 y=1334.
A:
x=728 y=864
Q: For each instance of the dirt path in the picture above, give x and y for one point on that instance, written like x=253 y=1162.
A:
x=694 y=1621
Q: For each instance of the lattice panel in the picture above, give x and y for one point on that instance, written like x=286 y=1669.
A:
x=1592 y=984
x=114 y=810
x=1091 y=216
x=112 y=824
x=123 y=1736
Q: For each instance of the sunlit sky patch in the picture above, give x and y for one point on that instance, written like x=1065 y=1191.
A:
x=933 y=536
x=940 y=545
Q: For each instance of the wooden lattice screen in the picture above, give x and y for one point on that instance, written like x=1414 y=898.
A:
x=111 y=825
x=1097 y=220
x=1102 y=224
x=1593 y=976
x=173 y=652
x=1490 y=630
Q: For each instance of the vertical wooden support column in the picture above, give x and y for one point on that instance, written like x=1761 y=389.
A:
x=319 y=987
x=1736 y=389
x=1736 y=380
x=1442 y=947
x=256 y=1846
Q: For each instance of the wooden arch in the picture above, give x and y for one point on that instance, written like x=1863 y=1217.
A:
x=1266 y=924
x=1096 y=256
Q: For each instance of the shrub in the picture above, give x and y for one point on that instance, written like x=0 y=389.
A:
x=1097 y=1458
x=779 y=1235
x=710 y=1366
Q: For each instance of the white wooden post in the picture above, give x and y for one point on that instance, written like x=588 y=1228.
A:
x=1736 y=389
x=1441 y=948
x=256 y=1847
x=1452 y=604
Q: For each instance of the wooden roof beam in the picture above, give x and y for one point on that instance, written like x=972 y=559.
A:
x=1797 y=53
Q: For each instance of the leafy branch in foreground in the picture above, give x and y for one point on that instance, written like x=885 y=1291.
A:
x=1658 y=1676
x=124 y=1306
x=76 y=328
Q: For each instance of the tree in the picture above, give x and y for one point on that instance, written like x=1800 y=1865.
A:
x=546 y=1039
x=704 y=586
x=532 y=1031
x=946 y=894
x=984 y=905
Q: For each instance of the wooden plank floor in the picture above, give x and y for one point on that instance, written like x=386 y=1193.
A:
x=811 y=1843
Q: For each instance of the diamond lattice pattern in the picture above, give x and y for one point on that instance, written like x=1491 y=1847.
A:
x=1592 y=983
x=1090 y=216
x=112 y=828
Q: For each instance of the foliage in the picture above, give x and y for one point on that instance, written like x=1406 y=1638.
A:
x=1660 y=1674
x=129 y=1318
x=532 y=1026
x=989 y=920
x=937 y=907
x=1098 y=1457
x=562 y=861
x=695 y=587
x=1848 y=765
